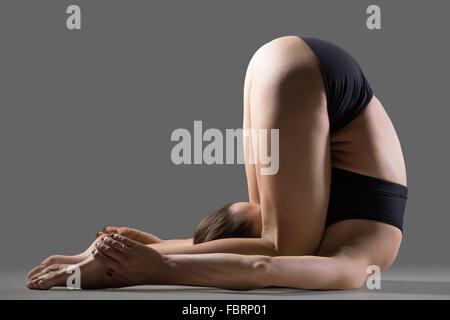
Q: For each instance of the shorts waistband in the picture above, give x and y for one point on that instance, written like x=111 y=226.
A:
x=364 y=181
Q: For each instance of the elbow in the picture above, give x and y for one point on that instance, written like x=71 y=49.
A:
x=262 y=268
x=353 y=283
x=271 y=250
x=280 y=246
x=270 y=245
x=351 y=279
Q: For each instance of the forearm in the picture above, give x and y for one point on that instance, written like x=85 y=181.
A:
x=223 y=270
x=167 y=245
x=240 y=272
x=247 y=246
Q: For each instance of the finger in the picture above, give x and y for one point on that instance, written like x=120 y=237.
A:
x=130 y=233
x=110 y=229
x=98 y=234
x=117 y=280
x=126 y=241
x=106 y=230
x=109 y=252
x=138 y=236
x=119 y=246
x=35 y=271
x=31 y=284
x=107 y=261
x=35 y=276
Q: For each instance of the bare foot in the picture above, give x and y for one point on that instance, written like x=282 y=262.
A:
x=63 y=260
x=93 y=275
x=137 y=235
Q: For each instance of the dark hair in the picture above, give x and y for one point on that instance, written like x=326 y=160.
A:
x=223 y=224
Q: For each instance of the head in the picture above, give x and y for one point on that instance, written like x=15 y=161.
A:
x=236 y=220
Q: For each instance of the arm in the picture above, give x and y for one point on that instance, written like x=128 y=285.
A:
x=143 y=265
x=239 y=272
x=186 y=246
x=172 y=243
x=249 y=246
x=135 y=234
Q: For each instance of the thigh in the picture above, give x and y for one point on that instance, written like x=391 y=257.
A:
x=287 y=93
x=252 y=183
x=375 y=243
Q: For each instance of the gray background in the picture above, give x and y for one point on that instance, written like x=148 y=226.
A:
x=86 y=116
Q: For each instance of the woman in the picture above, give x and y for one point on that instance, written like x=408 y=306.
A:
x=334 y=208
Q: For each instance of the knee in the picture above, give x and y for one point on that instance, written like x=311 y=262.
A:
x=276 y=47
x=285 y=71
x=279 y=59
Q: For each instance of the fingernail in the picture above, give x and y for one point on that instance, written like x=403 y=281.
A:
x=97 y=244
x=103 y=238
x=111 y=235
x=93 y=251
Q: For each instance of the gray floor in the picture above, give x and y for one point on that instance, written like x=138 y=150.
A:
x=395 y=284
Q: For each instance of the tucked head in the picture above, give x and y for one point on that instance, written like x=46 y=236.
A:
x=236 y=220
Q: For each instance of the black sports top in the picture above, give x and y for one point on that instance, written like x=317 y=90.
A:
x=348 y=91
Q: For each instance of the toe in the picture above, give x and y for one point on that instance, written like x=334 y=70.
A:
x=53 y=279
x=35 y=271
x=44 y=271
